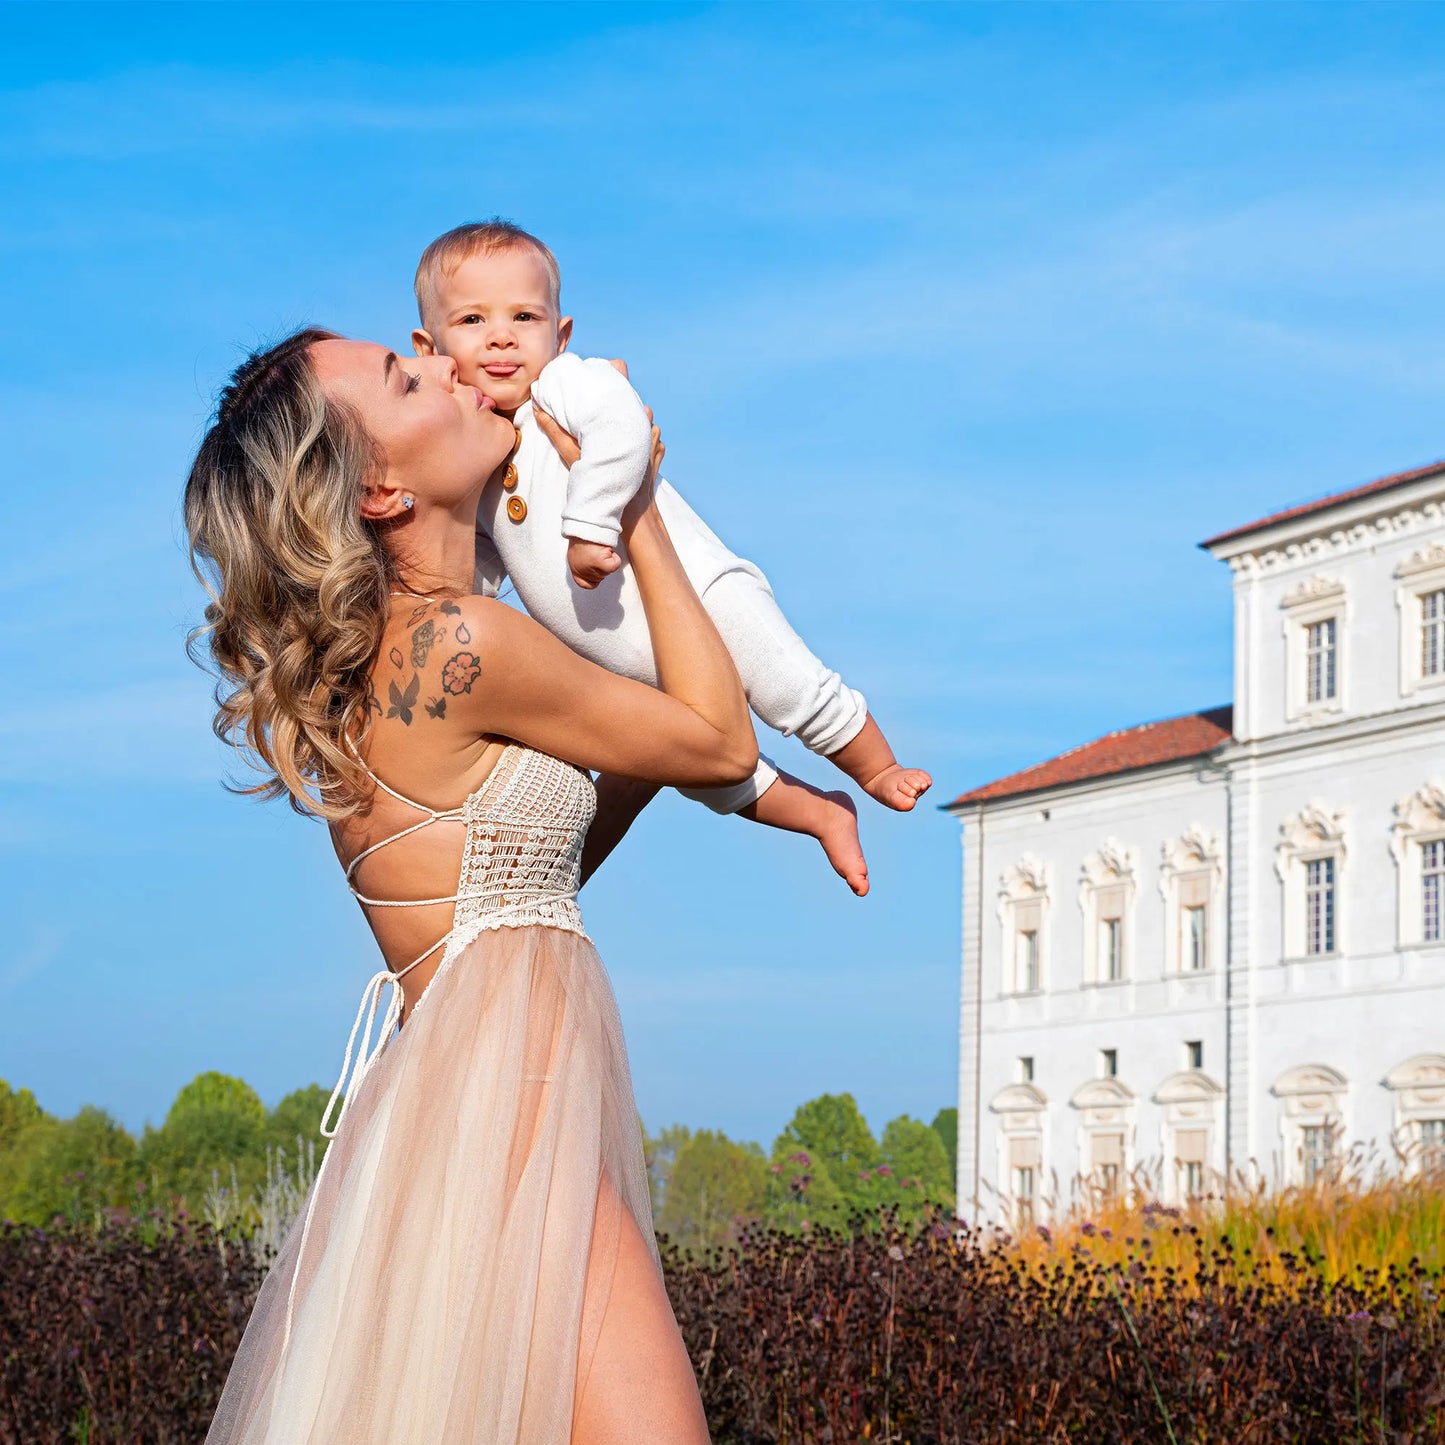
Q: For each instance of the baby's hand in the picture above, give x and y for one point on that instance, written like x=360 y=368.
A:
x=590 y=562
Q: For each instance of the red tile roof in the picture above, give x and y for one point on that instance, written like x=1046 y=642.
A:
x=1398 y=479
x=1145 y=746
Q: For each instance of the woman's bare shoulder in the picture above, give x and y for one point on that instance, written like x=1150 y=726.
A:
x=433 y=653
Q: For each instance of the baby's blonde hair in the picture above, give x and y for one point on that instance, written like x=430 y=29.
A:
x=479 y=238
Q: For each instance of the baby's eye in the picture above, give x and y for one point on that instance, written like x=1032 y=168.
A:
x=413 y=380
x=526 y=316
x=470 y=320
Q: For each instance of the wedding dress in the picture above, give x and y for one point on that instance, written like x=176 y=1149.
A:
x=446 y=1282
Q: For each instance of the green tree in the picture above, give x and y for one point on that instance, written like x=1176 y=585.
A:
x=660 y=1150
x=20 y=1116
x=945 y=1125
x=714 y=1183
x=914 y=1173
x=216 y=1121
x=840 y=1148
x=74 y=1168
x=299 y=1113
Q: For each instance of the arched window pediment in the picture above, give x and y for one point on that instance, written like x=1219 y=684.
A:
x=1103 y=1094
x=1309 y=1079
x=1019 y=1099
x=1189 y=1086
x=1424 y=1071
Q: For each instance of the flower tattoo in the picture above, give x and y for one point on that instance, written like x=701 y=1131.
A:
x=460 y=672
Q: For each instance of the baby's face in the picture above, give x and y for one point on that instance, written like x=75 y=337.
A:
x=494 y=316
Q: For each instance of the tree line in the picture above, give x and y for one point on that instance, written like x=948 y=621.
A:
x=824 y=1165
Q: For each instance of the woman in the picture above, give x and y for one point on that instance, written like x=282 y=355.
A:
x=476 y=1260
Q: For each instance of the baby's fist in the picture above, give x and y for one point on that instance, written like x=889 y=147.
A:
x=590 y=562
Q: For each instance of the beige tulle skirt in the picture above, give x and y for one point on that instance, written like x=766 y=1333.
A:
x=464 y=1230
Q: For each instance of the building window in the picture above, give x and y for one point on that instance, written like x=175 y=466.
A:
x=1028 y=960
x=1109 y=1063
x=1432 y=891
x=1420 y=600
x=1022 y=913
x=1312 y=1119
x=1320 y=661
x=1026 y=1069
x=1417 y=844
x=1316 y=1150
x=1191 y=869
x=1320 y=905
x=1108 y=1163
x=1310 y=861
x=1194 y=1054
x=1195 y=951
x=1025 y=1155
x=1432 y=634
x=1432 y=1145
x=1111 y=948
x=1107 y=884
x=1189 y=1154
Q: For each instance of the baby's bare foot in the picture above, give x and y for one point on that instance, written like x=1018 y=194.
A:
x=898 y=787
x=838 y=833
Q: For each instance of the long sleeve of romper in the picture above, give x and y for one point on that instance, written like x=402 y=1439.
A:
x=591 y=399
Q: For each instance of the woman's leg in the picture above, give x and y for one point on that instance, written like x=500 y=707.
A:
x=640 y=1385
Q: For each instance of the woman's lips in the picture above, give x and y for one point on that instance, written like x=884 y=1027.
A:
x=484 y=402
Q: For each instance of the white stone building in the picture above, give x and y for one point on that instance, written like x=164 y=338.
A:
x=1217 y=942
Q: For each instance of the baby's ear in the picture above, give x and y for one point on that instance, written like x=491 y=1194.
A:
x=422 y=344
x=564 y=333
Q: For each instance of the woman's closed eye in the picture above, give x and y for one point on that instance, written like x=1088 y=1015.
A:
x=413 y=380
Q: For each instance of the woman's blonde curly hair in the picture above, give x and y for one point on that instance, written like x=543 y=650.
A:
x=298 y=579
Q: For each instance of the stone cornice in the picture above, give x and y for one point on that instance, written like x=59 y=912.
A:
x=1338 y=541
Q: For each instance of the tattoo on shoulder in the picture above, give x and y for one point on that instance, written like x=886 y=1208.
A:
x=450 y=609
x=437 y=707
x=421 y=642
x=418 y=614
x=460 y=672
x=403 y=702
x=373 y=703
x=396 y=658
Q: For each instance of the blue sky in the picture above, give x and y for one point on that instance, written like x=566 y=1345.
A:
x=965 y=322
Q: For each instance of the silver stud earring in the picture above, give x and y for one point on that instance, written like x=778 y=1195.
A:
x=407 y=502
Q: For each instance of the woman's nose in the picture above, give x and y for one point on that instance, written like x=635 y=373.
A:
x=448 y=371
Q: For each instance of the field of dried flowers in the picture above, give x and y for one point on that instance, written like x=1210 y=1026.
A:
x=1312 y=1317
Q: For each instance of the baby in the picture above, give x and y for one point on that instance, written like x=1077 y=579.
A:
x=489 y=298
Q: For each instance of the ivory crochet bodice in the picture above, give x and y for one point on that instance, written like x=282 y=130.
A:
x=521 y=851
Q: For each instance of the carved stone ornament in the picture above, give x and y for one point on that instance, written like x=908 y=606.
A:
x=1312 y=829
x=1019 y=1099
x=1104 y=1097
x=1420 y=814
x=1310 y=1089
x=1313 y=589
x=1189 y=1086
x=1027 y=879
x=1109 y=864
x=1193 y=851
x=1422 y=1077
x=1339 y=540
x=1427 y=559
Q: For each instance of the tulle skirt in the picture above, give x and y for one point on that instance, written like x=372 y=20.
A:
x=464 y=1229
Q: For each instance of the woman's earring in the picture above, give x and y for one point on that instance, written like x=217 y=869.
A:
x=406 y=501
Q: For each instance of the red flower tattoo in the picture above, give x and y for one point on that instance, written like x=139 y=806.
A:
x=460 y=672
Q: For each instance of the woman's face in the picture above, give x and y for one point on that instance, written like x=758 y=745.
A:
x=440 y=438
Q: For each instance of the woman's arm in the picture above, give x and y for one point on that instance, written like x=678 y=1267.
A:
x=619 y=802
